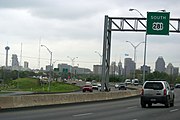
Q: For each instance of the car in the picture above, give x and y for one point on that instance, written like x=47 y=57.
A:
x=127 y=81
x=122 y=86
x=154 y=92
x=99 y=86
x=116 y=85
x=135 y=82
x=87 y=88
x=95 y=86
x=177 y=85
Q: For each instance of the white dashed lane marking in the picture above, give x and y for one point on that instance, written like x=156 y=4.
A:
x=131 y=107
x=84 y=114
x=174 y=110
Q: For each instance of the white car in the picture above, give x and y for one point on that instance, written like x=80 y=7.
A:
x=116 y=85
x=95 y=86
x=135 y=82
x=127 y=82
x=154 y=92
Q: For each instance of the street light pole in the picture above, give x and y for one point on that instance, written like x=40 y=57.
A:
x=99 y=56
x=49 y=81
x=100 y=67
x=72 y=60
x=145 y=43
x=53 y=68
x=134 y=46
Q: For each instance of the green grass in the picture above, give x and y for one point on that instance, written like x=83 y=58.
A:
x=29 y=84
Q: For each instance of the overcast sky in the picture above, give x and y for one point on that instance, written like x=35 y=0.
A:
x=75 y=28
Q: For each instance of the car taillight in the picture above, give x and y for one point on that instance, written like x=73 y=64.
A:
x=142 y=92
x=165 y=91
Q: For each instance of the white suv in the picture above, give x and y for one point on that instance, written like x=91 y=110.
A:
x=157 y=92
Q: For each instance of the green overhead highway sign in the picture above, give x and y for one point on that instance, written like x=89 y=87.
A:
x=157 y=23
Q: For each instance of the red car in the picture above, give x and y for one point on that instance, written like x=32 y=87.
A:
x=87 y=88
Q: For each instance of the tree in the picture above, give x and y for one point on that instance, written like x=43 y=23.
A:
x=159 y=76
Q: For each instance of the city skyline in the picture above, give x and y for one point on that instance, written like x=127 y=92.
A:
x=76 y=30
x=160 y=65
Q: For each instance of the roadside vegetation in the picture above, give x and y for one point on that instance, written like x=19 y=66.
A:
x=34 y=85
x=25 y=81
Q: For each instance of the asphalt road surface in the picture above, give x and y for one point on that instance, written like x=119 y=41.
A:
x=125 y=109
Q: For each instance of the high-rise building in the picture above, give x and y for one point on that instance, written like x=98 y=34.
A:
x=129 y=67
x=176 y=71
x=26 y=64
x=147 y=69
x=97 y=69
x=14 y=60
x=113 y=68
x=170 y=69
x=160 y=64
x=120 y=68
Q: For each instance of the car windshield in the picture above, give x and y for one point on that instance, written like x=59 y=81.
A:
x=153 y=85
x=121 y=84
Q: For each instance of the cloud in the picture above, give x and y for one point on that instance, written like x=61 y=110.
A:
x=75 y=28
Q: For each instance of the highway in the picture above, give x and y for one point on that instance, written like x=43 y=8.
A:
x=124 y=109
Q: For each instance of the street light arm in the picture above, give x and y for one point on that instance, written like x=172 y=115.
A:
x=139 y=44
x=131 y=44
x=98 y=53
x=72 y=59
x=138 y=12
x=46 y=48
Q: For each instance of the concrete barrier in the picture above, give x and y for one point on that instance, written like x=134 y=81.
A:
x=53 y=99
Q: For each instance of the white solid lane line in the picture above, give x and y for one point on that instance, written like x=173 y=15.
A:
x=84 y=114
x=174 y=110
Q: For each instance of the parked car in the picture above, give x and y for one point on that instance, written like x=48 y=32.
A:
x=122 y=86
x=87 y=88
x=157 y=92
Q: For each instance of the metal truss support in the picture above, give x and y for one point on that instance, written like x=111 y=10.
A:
x=123 y=24
x=106 y=54
x=139 y=24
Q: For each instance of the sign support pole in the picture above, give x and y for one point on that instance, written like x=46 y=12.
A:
x=144 y=65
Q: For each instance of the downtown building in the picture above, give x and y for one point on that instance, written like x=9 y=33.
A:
x=160 y=64
x=129 y=67
x=97 y=69
x=113 y=68
x=75 y=70
x=171 y=70
x=147 y=69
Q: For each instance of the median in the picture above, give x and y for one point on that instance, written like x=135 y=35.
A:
x=7 y=102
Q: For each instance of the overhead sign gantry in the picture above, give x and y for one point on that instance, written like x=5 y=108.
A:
x=155 y=26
